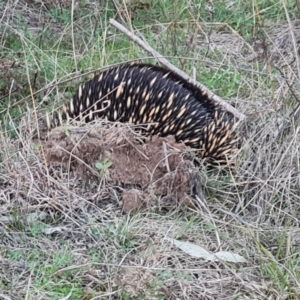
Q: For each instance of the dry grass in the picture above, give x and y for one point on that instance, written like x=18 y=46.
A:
x=65 y=236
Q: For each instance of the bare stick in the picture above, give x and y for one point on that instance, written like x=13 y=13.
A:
x=174 y=69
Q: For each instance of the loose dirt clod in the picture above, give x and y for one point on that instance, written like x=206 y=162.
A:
x=145 y=169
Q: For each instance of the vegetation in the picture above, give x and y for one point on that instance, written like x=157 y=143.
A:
x=59 y=240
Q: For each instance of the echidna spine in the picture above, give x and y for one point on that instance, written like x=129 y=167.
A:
x=150 y=94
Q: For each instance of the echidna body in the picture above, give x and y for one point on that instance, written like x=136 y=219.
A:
x=147 y=94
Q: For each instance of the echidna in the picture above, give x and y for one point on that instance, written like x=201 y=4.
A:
x=170 y=105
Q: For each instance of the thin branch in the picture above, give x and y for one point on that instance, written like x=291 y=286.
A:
x=174 y=69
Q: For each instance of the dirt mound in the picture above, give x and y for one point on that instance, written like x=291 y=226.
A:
x=145 y=170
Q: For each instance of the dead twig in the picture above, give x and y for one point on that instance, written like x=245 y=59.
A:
x=174 y=69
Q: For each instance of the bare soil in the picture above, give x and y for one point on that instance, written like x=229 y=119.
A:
x=145 y=169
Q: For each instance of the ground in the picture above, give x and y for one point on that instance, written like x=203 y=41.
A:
x=142 y=168
x=99 y=211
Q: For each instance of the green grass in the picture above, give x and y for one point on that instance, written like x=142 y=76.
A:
x=48 y=278
x=49 y=57
x=93 y=247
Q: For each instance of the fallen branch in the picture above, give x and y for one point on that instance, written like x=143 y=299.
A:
x=174 y=69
